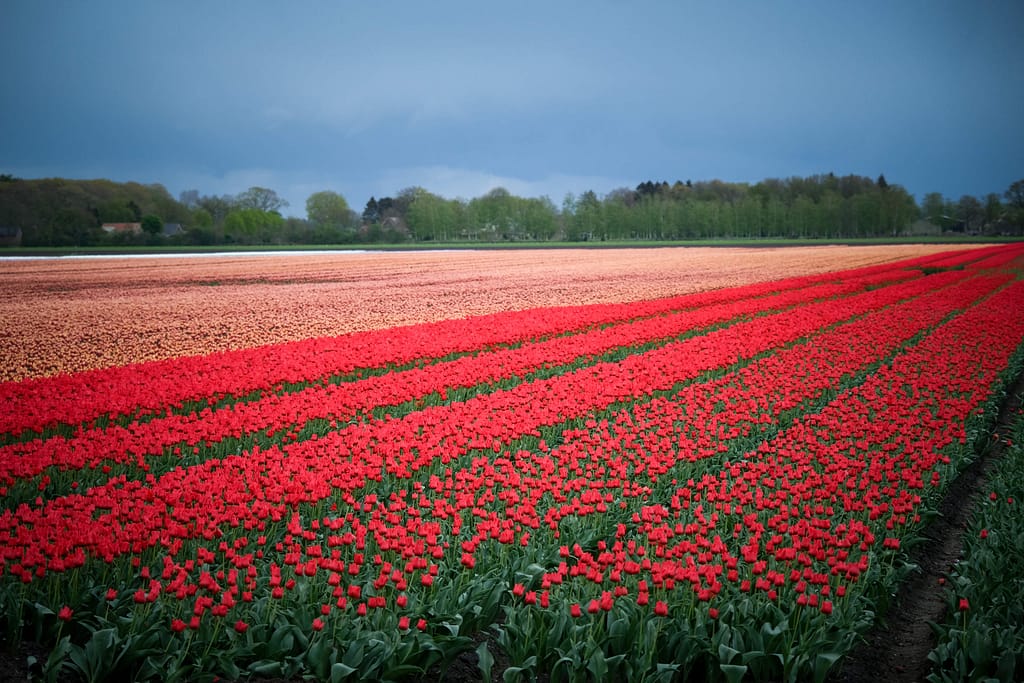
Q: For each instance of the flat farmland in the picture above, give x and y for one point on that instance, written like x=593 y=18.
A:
x=572 y=465
x=69 y=315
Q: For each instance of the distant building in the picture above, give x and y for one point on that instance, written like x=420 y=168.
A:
x=172 y=229
x=123 y=228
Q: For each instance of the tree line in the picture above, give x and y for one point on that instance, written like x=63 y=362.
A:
x=63 y=212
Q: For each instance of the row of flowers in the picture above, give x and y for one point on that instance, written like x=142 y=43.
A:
x=982 y=635
x=61 y=316
x=194 y=501
x=722 y=503
x=158 y=386
x=340 y=402
x=178 y=435
x=810 y=513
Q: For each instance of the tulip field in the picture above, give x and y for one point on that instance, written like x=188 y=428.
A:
x=720 y=484
x=70 y=315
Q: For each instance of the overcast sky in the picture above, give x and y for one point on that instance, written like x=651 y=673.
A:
x=542 y=98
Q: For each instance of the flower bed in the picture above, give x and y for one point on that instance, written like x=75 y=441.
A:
x=716 y=484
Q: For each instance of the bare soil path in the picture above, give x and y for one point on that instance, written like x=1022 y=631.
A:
x=897 y=650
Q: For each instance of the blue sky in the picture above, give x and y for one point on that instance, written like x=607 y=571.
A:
x=542 y=98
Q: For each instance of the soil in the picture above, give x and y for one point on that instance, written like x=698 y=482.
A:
x=14 y=665
x=896 y=651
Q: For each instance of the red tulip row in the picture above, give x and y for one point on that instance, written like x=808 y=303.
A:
x=340 y=402
x=642 y=562
x=599 y=468
x=798 y=520
x=805 y=508
x=777 y=460
x=92 y=446
x=855 y=473
x=111 y=519
x=165 y=385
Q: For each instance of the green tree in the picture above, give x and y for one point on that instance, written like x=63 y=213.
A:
x=651 y=220
x=201 y=218
x=371 y=212
x=897 y=210
x=252 y=226
x=1015 y=194
x=993 y=209
x=400 y=202
x=152 y=225
x=200 y=228
x=73 y=227
x=617 y=214
x=495 y=214
x=803 y=217
x=217 y=207
x=53 y=211
x=867 y=213
x=115 y=211
x=589 y=216
x=541 y=218
x=570 y=230
x=431 y=217
x=970 y=211
x=831 y=210
x=933 y=206
x=328 y=208
x=776 y=217
x=261 y=199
